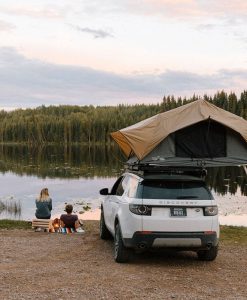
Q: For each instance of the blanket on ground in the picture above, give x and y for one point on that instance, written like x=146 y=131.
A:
x=66 y=230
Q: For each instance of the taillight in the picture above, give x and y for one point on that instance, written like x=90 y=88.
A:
x=139 y=209
x=211 y=211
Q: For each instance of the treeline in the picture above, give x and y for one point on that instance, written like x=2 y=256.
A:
x=91 y=125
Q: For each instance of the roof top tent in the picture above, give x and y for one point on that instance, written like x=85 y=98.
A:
x=195 y=135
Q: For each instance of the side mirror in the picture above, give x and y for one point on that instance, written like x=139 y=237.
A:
x=104 y=192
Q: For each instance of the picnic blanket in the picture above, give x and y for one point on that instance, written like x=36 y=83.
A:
x=66 y=230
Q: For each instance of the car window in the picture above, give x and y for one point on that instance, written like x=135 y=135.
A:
x=116 y=185
x=132 y=188
x=174 y=190
x=122 y=186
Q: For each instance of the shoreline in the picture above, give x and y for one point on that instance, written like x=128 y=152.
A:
x=229 y=220
x=233 y=220
x=94 y=215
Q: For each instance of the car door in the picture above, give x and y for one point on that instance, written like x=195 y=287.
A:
x=116 y=200
x=108 y=203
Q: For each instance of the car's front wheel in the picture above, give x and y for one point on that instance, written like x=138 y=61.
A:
x=209 y=254
x=121 y=253
x=103 y=231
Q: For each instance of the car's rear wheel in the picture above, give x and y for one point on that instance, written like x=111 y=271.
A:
x=209 y=254
x=103 y=231
x=121 y=253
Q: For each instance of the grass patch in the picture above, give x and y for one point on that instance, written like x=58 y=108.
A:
x=228 y=234
x=12 y=224
x=233 y=234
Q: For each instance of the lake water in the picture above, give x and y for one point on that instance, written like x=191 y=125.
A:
x=76 y=174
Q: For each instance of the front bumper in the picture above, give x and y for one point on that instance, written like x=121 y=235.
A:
x=179 y=240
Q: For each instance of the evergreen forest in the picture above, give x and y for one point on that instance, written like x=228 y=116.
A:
x=92 y=125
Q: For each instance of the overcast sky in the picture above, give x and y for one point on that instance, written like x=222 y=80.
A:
x=107 y=52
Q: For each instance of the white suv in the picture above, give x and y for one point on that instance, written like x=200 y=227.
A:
x=160 y=210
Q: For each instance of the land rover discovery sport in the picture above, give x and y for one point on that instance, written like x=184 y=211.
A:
x=160 y=210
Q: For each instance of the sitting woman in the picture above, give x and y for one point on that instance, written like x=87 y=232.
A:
x=43 y=205
x=69 y=220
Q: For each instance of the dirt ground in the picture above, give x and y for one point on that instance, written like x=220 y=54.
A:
x=38 y=265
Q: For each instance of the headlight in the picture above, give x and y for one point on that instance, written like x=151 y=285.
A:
x=143 y=210
x=211 y=211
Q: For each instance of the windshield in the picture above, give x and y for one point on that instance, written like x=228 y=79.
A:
x=174 y=190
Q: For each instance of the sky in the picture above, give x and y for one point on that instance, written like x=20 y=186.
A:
x=109 y=52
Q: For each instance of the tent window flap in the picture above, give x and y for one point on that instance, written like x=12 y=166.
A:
x=204 y=139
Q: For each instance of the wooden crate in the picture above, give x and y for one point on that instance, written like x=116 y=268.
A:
x=42 y=223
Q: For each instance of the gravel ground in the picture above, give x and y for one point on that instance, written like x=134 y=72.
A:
x=38 y=265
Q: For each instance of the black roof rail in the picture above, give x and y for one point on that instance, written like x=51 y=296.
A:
x=142 y=169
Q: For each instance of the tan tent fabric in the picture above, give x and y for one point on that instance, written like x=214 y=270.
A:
x=144 y=136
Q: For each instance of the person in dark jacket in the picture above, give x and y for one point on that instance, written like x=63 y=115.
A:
x=69 y=220
x=43 y=205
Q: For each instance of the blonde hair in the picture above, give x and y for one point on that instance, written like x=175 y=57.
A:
x=44 y=195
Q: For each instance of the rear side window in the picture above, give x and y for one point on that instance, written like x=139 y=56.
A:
x=174 y=190
x=133 y=184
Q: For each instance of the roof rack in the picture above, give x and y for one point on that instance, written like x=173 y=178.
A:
x=144 y=169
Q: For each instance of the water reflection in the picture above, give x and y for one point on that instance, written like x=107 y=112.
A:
x=61 y=161
x=227 y=180
x=79 y=161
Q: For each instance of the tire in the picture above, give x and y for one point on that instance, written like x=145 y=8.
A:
x=103 y=231
x=121 y=253
x=208 y=255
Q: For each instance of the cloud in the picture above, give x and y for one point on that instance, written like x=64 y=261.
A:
x=204 y=27
x=30 y=83
x=143 y=7
x=32 y=11
x=96 y=33
x=195 y=8
x=182 y=9
x=6 y=26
